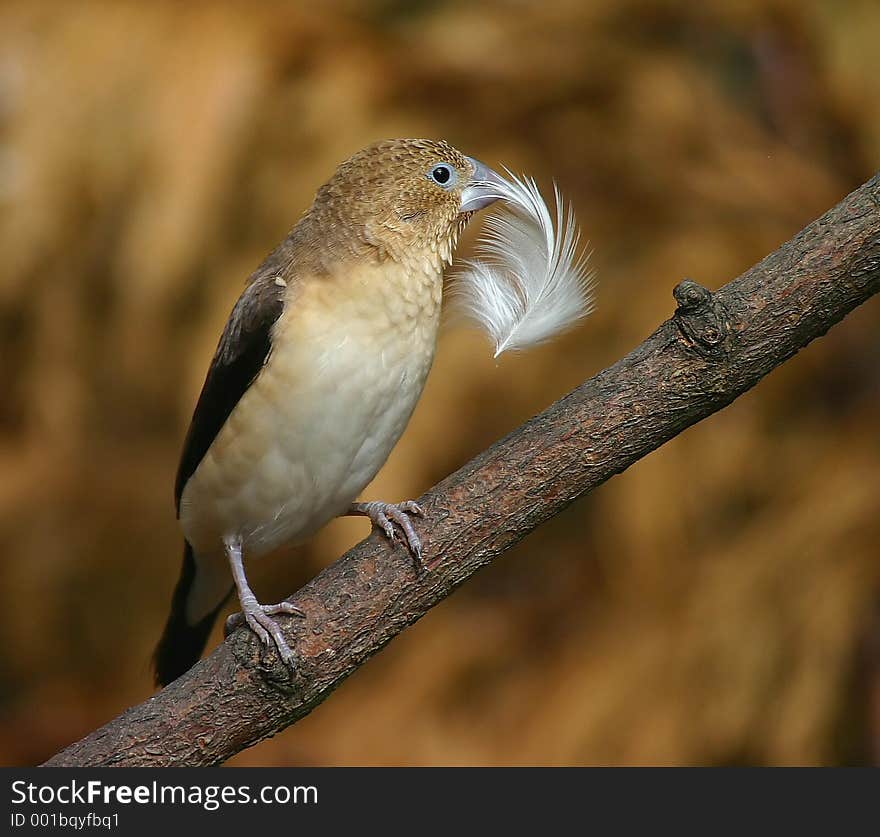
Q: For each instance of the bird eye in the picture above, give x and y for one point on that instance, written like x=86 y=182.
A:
x=443 y=175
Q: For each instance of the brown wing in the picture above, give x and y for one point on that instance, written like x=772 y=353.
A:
x=243 y=350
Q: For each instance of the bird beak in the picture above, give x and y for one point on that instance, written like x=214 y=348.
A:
x=485 y=187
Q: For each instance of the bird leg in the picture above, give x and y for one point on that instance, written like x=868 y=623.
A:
x=257 y=616
x=385 y=515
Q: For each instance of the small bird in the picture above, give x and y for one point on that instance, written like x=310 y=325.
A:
x=315 y=377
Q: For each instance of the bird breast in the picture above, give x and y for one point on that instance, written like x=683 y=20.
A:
x=350 y=355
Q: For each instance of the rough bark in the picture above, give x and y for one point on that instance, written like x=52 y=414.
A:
x=713 y=349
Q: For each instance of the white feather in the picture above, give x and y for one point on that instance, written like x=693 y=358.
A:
x=527 y=282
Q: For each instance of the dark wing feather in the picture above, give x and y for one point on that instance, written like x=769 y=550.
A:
x=241 y=354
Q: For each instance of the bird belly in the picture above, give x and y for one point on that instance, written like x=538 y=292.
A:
x=311 y=432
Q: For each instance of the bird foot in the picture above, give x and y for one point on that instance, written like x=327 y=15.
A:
x=384 y=515
x=259 y=619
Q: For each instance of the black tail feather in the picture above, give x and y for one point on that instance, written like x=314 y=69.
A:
x=182 y=644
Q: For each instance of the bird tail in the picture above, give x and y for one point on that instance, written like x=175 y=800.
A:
x=182 y=642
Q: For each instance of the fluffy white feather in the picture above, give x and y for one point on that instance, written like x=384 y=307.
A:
x=527 y=282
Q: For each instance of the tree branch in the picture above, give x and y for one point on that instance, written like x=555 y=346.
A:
x=713 y=349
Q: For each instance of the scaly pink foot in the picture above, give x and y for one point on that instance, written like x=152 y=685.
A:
x=385 y=515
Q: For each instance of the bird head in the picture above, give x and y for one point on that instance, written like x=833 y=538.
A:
x=402 y=196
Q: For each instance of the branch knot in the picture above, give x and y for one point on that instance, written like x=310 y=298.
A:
x=701 y=319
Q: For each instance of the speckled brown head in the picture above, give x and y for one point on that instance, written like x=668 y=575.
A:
x=397 y=196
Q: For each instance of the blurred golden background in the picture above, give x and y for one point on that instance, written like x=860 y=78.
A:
x=717 y=604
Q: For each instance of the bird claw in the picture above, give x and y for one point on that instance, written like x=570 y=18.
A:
x=384 y=515
x=259 y=619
